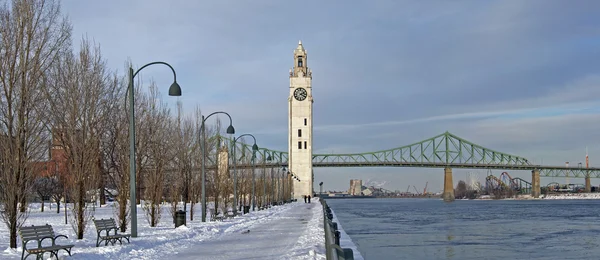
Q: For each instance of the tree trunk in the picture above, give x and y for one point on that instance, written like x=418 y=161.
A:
x=22 y=206
x=192 y=210
x=123 y=219
x=80 y=216
x=12 y=215
x=101 y=182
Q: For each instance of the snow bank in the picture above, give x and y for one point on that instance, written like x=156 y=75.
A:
x=572 y=196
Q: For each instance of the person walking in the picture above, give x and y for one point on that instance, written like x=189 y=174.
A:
x=304 y=198
x=308 y=198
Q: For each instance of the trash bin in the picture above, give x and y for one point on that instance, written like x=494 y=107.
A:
x=246 y=209
x=179 y=218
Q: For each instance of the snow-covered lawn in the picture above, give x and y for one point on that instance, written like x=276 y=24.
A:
x=291 y=231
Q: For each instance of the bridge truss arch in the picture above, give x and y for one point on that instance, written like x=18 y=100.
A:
x=442 y=151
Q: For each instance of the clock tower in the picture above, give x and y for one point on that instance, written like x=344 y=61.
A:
x=300 y=125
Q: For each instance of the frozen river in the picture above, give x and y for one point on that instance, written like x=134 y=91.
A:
x=483 y=229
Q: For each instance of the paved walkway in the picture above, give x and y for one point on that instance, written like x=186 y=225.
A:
x=296 y=233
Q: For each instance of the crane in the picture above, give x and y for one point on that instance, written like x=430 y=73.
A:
x=407 y=189
x=416 y=191
x=425 y=190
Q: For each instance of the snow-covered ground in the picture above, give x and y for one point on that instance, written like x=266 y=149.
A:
x=290 y=231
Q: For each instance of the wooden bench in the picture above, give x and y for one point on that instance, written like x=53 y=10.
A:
x=108 y=225
x=218 y=218
x=39 y=234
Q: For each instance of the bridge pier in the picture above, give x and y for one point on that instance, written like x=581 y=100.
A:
x=448 y=194
x=588 y=184
x=535 y=183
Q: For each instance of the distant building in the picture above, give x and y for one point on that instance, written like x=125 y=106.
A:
x=223 y=163
x=355 y=187
x=56 y=165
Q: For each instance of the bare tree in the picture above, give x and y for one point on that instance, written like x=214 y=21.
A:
x=461 y=189
x=186 y=148
x=115 y=151
x=45 y=187
x=80 y=98
x=160 y=153
x=33 y=33
x=196 y=162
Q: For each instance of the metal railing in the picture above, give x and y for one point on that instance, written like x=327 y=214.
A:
x=332 y=237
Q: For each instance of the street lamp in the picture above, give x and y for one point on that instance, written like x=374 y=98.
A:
x=264 y=195
x=174 y=90
x=283 y=180
x=230 y=130
x=254 y=149
x=272 y=199
x=320 y=190
x=253 y=181
x=291 y=182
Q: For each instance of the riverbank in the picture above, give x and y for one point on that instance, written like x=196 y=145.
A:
x=572 y=196
x=565 y=196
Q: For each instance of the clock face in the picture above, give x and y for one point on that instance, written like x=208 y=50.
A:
x=300 y=94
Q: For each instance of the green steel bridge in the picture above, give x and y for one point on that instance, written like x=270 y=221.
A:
x=442 y=151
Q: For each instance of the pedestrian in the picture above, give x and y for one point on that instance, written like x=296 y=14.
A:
x=308 y=198
x=304 y=198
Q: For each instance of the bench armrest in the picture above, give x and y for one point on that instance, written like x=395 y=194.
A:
x=107 y=231
x=66 y=237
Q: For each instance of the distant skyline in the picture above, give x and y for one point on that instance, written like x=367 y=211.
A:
x=521 y=77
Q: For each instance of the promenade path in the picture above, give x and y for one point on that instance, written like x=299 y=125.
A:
x=294 y=232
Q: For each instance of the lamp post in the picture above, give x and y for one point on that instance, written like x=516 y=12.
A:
x=291 y=182
x=269 y=158
x=320 y=190
x=272 y=187
x=174 y=90
x=230 y=130
x=264 y=195
x=283 y=180
x=277 y=186
x=254 y=149
x=253 y=181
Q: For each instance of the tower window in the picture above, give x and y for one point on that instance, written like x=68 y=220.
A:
x=304 y=144
x=299 y=61
x=299 y=132
x=299 y=145
x=304 y=121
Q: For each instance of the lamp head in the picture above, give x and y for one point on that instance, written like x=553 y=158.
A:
x=175 y=90
x=230 y=130
x=321 y=183
x=255 y=148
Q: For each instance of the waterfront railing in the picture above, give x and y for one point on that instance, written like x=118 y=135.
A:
x=332 y=237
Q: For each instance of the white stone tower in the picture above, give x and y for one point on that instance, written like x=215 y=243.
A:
x=300 y=124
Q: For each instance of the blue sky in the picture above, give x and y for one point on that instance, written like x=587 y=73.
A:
x=522 y=77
